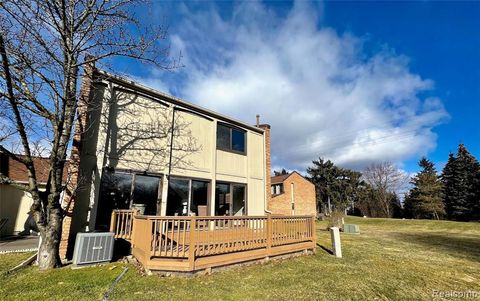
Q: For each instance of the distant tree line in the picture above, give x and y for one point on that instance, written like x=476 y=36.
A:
x=453 y=194
x=371 y=192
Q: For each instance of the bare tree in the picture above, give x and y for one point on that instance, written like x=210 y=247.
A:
x=384 y=179
x=44 y=45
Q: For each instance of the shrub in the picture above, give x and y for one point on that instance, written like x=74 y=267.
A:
x=335 y=219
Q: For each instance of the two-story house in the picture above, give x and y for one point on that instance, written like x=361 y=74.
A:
x=138 y=147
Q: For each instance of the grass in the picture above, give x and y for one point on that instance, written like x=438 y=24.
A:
x=389 y=260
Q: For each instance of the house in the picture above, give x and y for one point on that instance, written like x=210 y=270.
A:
x=15 y=203
x=292 y=194
x=137 y=147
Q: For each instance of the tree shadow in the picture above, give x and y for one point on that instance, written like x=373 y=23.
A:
x=139 y=134
x=465 y=246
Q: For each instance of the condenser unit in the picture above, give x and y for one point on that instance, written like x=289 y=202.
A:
x=93 y=248
x=351 y=228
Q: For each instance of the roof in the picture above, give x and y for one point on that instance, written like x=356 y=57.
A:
x=18 y=172
x=126 y=82
x=281 y=178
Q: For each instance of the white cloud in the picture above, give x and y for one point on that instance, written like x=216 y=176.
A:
x=321 y=93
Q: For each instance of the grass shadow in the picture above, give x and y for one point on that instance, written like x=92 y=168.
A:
x=325 y=249
x=466 y=246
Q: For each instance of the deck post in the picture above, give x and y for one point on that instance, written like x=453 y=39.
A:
x=269 y=233
x=134 y=226
x=191 y=250
x=112 y=221
x=314 y=234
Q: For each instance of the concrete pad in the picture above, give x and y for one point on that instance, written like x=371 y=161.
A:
x=14 y=244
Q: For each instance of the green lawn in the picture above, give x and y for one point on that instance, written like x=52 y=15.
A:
x=389 y=260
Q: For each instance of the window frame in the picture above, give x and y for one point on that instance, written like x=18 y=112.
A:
x=230 y=199
x=282 y=189
x=190 y=191
x=230 y=149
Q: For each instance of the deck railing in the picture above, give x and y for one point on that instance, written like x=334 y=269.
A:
x=189 y=243
x=121 y=223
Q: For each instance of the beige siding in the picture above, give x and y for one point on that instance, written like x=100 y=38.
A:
x=137 y=133
x=256 y=157
x=231 y=164
x=256 y=204
x=14 y=205
x=134 y=135
x=193 y=149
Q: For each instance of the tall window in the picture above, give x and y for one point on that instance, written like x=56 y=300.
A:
x=230 y=138
x=119 y=190
x=230 y=199
x=187 y=197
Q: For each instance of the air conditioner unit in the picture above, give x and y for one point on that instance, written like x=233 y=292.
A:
x=351 y=228
x=93 y=248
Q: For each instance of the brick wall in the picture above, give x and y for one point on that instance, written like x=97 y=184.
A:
x=74 y=166
x=304 y=196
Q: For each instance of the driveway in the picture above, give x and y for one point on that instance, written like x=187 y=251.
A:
x=13 y=244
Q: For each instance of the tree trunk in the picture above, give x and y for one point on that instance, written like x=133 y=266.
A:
x=48 y=253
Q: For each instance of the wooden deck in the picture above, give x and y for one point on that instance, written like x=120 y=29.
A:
x=195 y=243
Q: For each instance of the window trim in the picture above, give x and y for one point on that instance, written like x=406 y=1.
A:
x=231 y=150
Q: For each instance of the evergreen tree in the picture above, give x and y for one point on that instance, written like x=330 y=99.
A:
x=280 y=173
x=425 y=199
x=334 y=185
x=408 y=209
x=450 y=188
x=461 y=180
x=397 y=210
x=322 y=174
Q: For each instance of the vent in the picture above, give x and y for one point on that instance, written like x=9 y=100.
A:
x=93 y=248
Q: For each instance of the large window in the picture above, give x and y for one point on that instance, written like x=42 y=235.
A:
x=146 y=192
x=230 y=138
x=119 y=190
x=187 y=197
x=222 y=199
x=230 y=199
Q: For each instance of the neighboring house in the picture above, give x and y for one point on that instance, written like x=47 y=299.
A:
x=292 y=194
x=15 y=203
x=125 y=154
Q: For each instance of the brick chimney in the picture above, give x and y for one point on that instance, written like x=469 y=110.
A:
x=75 y=154
x=268 y=163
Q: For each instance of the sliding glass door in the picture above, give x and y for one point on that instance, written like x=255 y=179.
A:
x=121 y=190
x=115 y=193
x=187 y=197
x=238 y=200
x=230 y=199
x=146 y=192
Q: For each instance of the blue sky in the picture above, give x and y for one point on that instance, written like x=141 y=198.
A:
x=355 y=82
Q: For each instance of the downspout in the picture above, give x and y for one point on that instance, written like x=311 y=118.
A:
x=266 y=190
